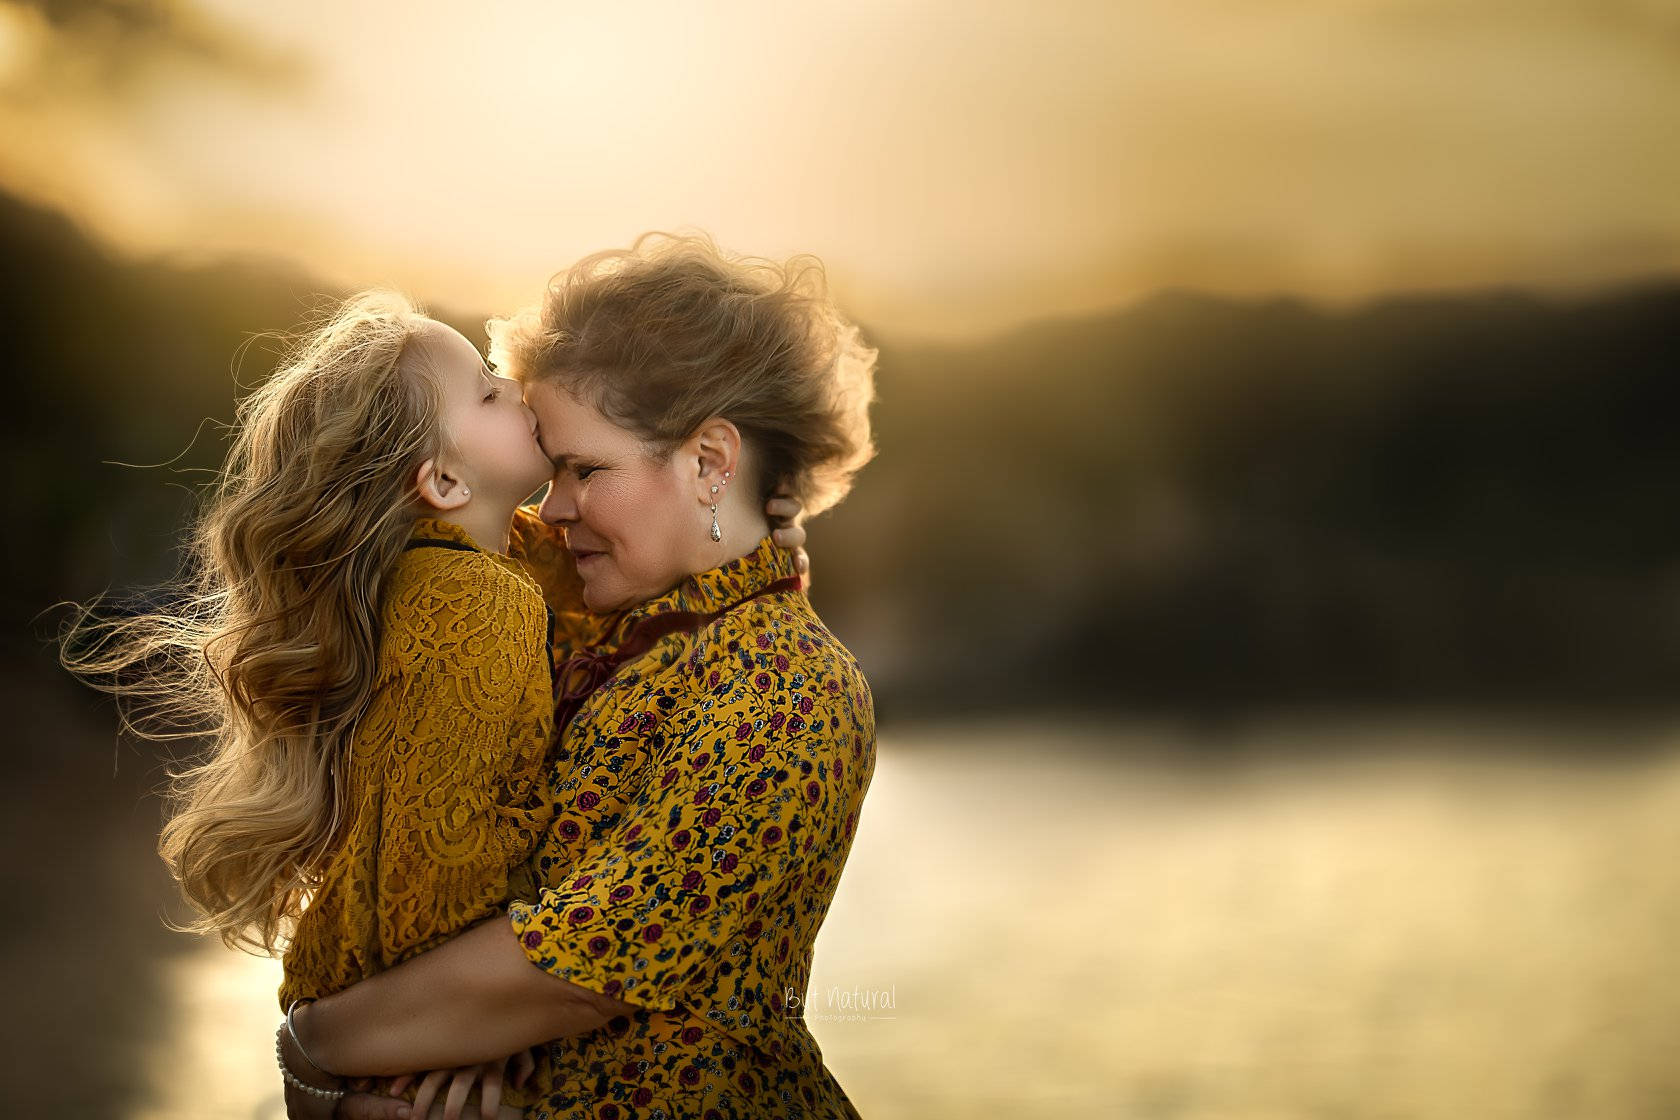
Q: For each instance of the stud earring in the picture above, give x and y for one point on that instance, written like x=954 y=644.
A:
x=465 y=493
x=717 y=533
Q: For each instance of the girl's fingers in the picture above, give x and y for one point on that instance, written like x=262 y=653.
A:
x=490 y=1092
x=427 y=1093
x=788 y=536
x=459 y=1086
x=398 y=1084
x=783 y=508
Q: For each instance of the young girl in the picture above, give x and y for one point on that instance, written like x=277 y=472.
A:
x=371 y=665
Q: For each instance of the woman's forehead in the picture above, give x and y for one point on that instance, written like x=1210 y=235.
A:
x=572 y=426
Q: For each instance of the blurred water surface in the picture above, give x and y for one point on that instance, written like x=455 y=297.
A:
x=1345 y=917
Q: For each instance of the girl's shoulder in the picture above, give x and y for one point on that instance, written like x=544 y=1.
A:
x=542 y=549
x=447 y=594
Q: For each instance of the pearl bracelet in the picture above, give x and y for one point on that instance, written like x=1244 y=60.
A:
x=292 y=1079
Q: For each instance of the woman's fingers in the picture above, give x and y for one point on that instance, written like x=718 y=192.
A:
x=303 y=1106
x=368 y=1106
x=396 y=1085
x=429 y=1086
x=459 y=1086
x=524 y=1064
x=490 y=1092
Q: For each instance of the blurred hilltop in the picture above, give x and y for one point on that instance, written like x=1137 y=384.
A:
x=1190 y=504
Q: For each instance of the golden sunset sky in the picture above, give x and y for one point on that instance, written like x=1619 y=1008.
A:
x=961 y=167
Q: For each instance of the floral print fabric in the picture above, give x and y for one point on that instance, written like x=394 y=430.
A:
x=704 y=801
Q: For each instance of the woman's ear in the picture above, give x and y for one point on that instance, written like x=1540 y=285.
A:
x=717 y=450
x=438 y=488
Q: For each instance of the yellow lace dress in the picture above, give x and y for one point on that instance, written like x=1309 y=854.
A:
x=444 y=804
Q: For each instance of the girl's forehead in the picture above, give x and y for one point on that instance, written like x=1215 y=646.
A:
x=449 y=353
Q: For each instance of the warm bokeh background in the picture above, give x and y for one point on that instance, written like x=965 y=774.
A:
x=1270 y=577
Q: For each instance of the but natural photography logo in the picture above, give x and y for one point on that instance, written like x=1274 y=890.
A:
x=841 y=1005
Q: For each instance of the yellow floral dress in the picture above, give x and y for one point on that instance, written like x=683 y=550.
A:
x=443 y=801
x=704 y=801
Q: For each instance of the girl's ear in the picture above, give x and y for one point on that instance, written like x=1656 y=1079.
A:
x=438 y=488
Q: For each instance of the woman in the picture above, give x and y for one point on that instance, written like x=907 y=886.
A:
x=720 y=739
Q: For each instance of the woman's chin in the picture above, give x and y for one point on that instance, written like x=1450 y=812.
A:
x=601 y=599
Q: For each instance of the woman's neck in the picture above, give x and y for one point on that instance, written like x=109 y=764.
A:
x=742 y=531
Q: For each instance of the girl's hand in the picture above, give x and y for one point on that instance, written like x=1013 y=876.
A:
x=784 y=510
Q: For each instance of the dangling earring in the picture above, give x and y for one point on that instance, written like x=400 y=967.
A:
x=717 y=533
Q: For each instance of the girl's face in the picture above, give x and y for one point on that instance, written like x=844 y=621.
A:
x=491 y=436
x=632 y=521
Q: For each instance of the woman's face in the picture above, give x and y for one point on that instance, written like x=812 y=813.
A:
x=633 y=522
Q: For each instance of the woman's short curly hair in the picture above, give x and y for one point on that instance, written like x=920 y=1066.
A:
x=673 y=330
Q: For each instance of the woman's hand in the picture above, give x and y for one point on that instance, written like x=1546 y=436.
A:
x=299 y=1104
x=456 y=1084
x=302 y=1106
x=784 y=510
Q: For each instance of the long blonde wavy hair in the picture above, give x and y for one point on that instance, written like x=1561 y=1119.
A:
x=267 y=645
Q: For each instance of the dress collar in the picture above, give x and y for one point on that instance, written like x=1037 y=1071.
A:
x=433 y=530
x=719 y=588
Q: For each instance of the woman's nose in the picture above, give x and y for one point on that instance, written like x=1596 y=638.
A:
x=557 y=507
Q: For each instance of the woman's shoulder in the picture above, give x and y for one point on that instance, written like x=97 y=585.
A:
x=774 y=644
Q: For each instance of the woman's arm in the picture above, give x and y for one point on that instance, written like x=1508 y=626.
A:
x=474 y=999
